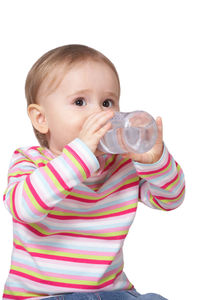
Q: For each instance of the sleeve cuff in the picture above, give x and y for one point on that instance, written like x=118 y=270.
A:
x=146 y=170
x=81 y=158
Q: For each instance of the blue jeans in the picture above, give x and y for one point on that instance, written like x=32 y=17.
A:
x=108 y=295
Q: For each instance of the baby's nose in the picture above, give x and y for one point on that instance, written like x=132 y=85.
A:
x=97 y=108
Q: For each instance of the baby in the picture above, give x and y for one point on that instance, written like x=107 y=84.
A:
x=72 y=205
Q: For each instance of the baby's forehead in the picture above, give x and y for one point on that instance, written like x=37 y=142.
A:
x=58 y=71
x=53 y=78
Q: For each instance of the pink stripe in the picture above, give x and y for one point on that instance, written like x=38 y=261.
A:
x=119 y=237
x=41 y=165
x=81 y=162
x=30 y=204
x=53 y=187
x=169 y=182
x=166 y=209
x=173 y=180
x=35 y=195
x=18 y=175
x=65 y=258
x=111 y=163
x=155 y=176
x=114 y=271
x=170 y=198
x=97 y=211
x=12 y=297
x=73 y=167
x=127 y=162
x=177 y=184
x=23 y=171
x=35 y=148
x=102 y=195
x=13 y=202
x=21 y=167
x=95 y=217
x=16 y=152
x=58 y=177
x=66 y=276
x=67 y=250
x=158 y=170
x=16 y=289
x=60 y=275
x=21 y=161
x=61 y=284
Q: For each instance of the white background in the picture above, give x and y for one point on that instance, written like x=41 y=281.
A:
x=155 y=46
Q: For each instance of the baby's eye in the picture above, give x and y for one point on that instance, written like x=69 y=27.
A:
x=108 y=103
x=79 y=101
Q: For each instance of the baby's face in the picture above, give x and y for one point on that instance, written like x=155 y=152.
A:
x=88 y=87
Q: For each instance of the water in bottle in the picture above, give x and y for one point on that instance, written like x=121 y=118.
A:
x=131 y=132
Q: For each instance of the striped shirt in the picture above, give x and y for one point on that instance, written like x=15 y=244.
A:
x=71 y=214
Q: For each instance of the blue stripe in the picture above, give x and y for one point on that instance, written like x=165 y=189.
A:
x=120 y=200
x=87 y=149
x=60 y=245
x=73 y=175
x=156 y=163
x=46 y=186
x=29 y=212
x=89 y=227
x=181 y=180
x=66 y=272
x=119 y=180
x=167 y=175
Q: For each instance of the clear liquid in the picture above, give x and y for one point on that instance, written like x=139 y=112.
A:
x=130 y=132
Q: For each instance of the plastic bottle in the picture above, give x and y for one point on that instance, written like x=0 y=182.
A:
x=131 y=132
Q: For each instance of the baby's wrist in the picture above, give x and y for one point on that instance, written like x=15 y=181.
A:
x=158 y=156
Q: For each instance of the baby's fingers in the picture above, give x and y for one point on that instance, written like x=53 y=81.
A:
x=101 y=132
x=96 y=121
x=159 y=124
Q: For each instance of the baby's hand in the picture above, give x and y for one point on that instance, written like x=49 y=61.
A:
x=155 y=153
x=94 y=128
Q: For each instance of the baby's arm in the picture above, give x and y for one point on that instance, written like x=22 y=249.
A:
x=34 y=191
x=162 y=184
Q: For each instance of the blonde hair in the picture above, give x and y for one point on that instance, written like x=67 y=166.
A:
x=63 y=57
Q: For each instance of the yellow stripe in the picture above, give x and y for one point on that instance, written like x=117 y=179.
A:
x=173 y=200
x=108 y=234
x=65 y=254
x=65 y=280
x=109 y=160
x=75 y=162
x=155 y=174
x=119 y=164
x=33 y=200
x=17 y=161
x=55 y=181
x=154 y=204
x=98 y=196
x=35 y=162
x=15 y=293
x=42 y=152
x=11 y=201
x=22 y=152
x=19 y=173
x=174 y=183
x=104 y=213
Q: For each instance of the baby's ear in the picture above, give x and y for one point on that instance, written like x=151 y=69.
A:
x=37 y=116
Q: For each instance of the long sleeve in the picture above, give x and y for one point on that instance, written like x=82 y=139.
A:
x=33 y=191
x=162 y=184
